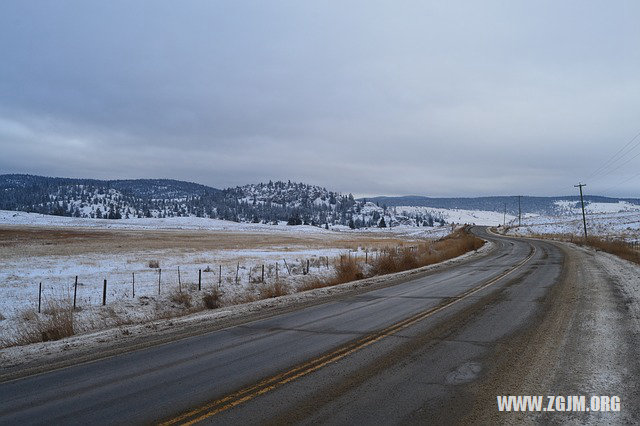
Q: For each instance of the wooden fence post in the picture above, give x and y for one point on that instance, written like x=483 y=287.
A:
x=159 y=278
x=276 y=271
x=104 y=293
x=75 y=292
x=199 y=279
x=307 y=266
x=133 y=284
x=179 y=282
x=263 y=273
x=285 y=264
x=237 y=271
x=220 y=277
x=39 y=297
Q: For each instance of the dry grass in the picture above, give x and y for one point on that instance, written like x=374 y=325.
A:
x=247 y=296
x=401 y=259
x=211 y=299
x=614 y=246
x=55 y=324
x=347 y=270
x=405 y=258
x=267 y=291
x=17 y=242
x=618 y=248
x=182 y=298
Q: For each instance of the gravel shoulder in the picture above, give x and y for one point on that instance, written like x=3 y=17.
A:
x=585 y=341
x=36 y=358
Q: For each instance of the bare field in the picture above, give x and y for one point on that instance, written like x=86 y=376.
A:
x=18 y=242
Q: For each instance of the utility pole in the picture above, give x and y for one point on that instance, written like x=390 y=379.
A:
x=519 y=211
x=504 y=219
x=584 y=218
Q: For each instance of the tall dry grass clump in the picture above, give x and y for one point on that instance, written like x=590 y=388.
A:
x=55 y=323
x=616 y=247
x=401 y=259
x=405 y=258
x=347 y=270
x=276 y=289
x=181 y=298
x=212 y=299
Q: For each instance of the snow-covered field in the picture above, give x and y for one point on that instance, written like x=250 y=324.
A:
x=474 y=217
x=199 y=223
x=614 y=220
x=54 y=250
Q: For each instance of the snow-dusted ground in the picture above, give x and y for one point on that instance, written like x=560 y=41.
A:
x=475 y=217
x=233 y=270
x=623 y=224
x=8 y=217
x=191 y=223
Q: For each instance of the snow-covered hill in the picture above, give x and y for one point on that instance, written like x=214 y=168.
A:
x=273 y=202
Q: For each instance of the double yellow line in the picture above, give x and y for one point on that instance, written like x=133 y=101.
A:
x=211 y=409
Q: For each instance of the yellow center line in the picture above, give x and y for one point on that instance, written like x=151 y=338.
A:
x=271 y=383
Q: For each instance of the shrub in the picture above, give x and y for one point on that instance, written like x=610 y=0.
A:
x=276 y=289
x=347 y=270
x=55 y=324
x=181 y=298
x=314 y=283
x=618 y=248
x=211 y=300
x=154 y=264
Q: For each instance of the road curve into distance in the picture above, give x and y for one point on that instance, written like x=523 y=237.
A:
x=431 y=349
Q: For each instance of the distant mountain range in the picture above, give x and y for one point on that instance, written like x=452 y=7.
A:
x=295 y=203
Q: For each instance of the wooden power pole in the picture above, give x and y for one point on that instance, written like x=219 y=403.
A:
x=584 y=217
x=504 y=218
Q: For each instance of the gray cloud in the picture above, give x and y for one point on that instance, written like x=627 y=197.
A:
x=434 y=98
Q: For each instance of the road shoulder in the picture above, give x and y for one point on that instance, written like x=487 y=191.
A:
x=584 y=341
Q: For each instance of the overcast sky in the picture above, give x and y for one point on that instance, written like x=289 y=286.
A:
x=439 y=98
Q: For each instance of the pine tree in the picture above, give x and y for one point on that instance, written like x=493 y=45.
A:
x=382 y=223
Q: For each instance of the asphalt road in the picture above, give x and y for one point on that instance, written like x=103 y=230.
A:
x=402 y=354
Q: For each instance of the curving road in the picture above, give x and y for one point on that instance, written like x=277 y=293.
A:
x=423 y=350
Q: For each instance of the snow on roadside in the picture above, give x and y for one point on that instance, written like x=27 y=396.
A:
x=628 y=281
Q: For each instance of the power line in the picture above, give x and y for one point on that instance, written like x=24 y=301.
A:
x=616 y=157
x=622 y=182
